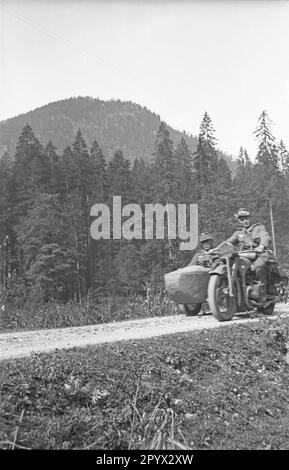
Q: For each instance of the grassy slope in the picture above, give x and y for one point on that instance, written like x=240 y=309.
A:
x=222 y=389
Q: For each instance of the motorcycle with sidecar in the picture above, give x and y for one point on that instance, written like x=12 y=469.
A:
x=229 y=286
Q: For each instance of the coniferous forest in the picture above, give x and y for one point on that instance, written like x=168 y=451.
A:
x=48 y=256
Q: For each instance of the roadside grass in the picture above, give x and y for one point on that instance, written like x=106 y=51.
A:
x=226 y=388
x=53 y=315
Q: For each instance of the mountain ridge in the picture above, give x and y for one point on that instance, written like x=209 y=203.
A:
x=115 y=124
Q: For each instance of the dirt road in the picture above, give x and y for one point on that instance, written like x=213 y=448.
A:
x=13 y=345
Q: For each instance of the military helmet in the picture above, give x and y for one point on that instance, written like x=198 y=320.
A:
x=205 y=236
x=242 y=213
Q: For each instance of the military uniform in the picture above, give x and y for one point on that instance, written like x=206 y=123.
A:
x=201 y=258
x=249 y=239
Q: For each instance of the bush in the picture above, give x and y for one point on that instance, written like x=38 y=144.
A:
x=53 y=315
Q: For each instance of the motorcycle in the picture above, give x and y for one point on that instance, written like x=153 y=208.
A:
x=233 y=286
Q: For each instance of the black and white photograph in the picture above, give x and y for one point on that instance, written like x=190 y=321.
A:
x=144 y=229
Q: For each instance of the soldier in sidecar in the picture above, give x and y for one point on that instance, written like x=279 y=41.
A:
x=201 y=258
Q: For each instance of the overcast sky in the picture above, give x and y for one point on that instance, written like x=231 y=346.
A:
x=177 y=58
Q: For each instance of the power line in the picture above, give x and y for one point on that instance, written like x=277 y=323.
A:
x=80 y=50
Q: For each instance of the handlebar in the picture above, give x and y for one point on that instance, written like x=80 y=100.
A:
x=250 y=254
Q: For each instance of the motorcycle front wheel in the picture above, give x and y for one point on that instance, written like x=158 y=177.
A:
x=223 y=306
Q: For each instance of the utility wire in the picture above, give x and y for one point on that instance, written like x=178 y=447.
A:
x=82 y=51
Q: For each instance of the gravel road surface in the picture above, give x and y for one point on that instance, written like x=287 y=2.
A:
x=19 y=344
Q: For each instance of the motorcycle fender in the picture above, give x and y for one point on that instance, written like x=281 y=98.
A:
x=220 y=269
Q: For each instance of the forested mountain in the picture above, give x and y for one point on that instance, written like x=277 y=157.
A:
x=114 y=124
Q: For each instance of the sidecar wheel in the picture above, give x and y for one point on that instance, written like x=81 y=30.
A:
x=191 y=310
x=268 y=310
x=223 y=306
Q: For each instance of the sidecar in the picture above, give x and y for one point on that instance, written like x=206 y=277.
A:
x=188 y=285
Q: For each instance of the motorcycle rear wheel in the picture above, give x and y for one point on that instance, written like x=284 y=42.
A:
x=223 y=306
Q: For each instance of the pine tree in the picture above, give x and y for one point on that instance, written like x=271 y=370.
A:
x=30 y=172
x=110 y=180
x=78 y=241
x=212 y=181
x=80 y=170
x=267 y=181
x=30 y=177
x=6 y=260
x=283 y=158
x=205 y=156
x=42 y=236
x=164 y=179
x=243 y=182
x=100 y=182
x=243 y=159
x=98 y=272
x=119 y=178
x=140 y=179
x=184 y=167
x=86 y=171
x=164 y=167
x=267 y=155
x=5 y=191
x=69 y=170
x=55 y=175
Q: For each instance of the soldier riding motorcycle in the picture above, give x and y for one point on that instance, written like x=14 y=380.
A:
x=245 y=274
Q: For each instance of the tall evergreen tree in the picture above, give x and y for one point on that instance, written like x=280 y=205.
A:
x=267 y=155
x=164 y=182
x=6 y=233
x=80 y=170
x=243 y=159
x=30 y=177
x=283 y=158
x=41 y=234
x=243 y=182
x=86 y=171
x=98 y=272
x=119 y=178
x=205 y=156
x=78 y=241
x=164 y=167
x=81 y=201
x=142 y=181
x=30 y=172
x=55 y=174
x=100 y=181
x=184 y=169
x=69 y=169
x=5 y=191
